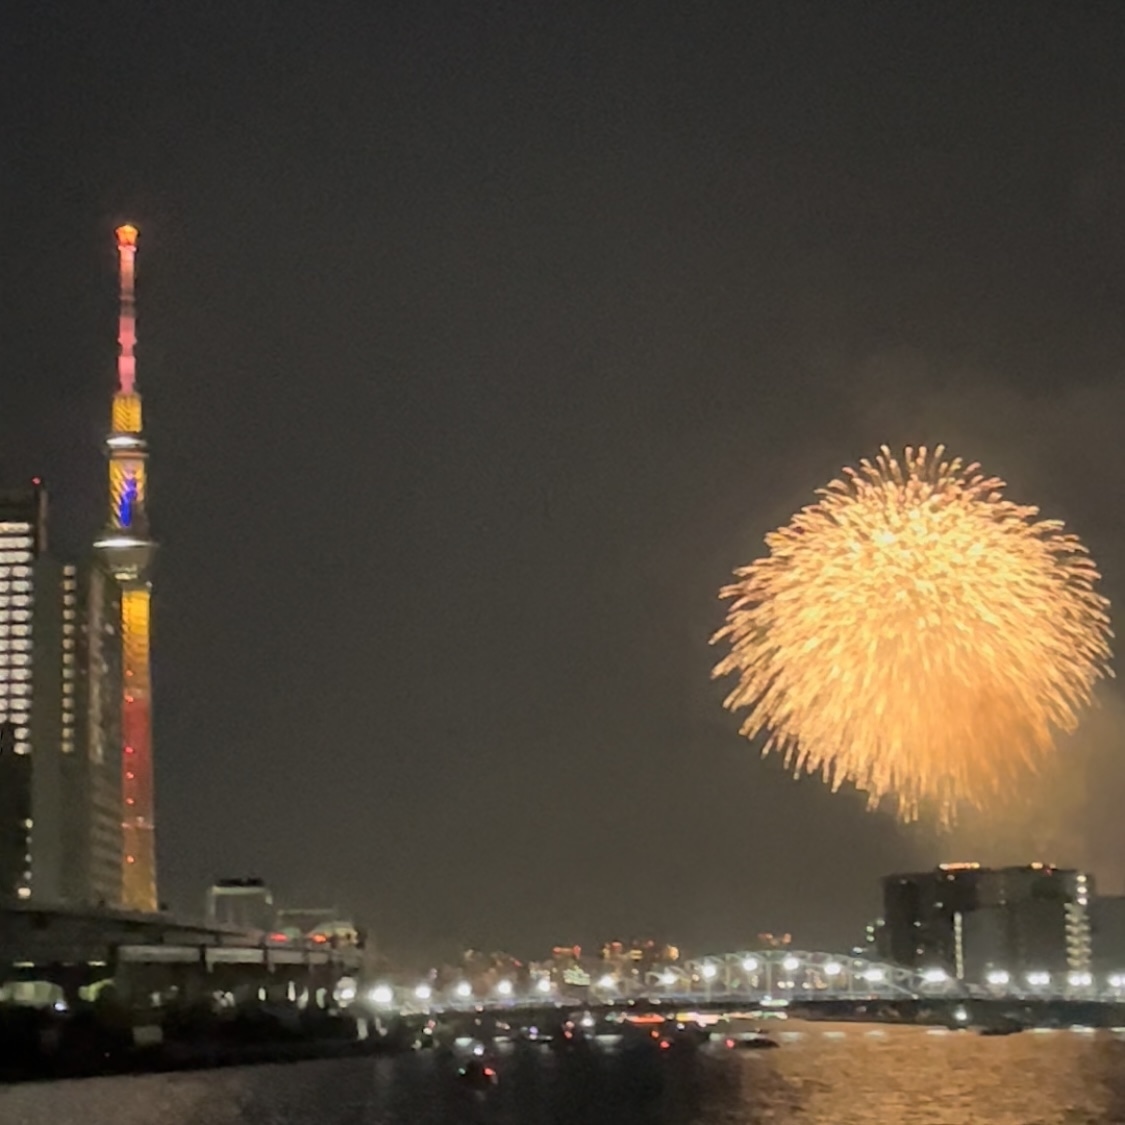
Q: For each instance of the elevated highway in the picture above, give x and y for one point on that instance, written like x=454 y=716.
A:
x=152 y=960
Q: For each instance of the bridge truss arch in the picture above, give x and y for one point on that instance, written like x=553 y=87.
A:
x=787 y=975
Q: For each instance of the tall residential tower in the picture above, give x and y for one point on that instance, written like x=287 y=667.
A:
x=126 y=549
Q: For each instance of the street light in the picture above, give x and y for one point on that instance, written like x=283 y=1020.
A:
x=423 y=992
x=934 y=976
x=504 y=988
x=607 y=982
x=543 y=984
x=709 y=971
x=874 y=976
x=833 y=968
x=382 y=994
x=749 y=964
x=464 y=989
x=998 y=977
x=791 y=964
x=667 y=979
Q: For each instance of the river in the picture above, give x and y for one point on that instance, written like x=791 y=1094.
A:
x=902 y=1075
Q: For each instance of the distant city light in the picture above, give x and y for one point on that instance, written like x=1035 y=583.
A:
x=874 y=976
x=832 y=968
x=998 y=977
x=791 y=964
x=1117 y=980
x=667 y=979
x=423 y=992
x=464 y=989
x=504 y=988
x=381 y=994
x=543 y=984
x=607 y=982
x=934 y=976
x=749 y=964
x=1079 y=980
x=709 y=971
x=1038 y=979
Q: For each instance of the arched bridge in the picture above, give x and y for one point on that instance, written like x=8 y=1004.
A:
x=765 y=975
x=761 y=977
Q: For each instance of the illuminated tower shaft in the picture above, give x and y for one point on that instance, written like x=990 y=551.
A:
x=126 y=549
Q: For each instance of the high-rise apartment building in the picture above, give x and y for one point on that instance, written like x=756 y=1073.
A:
x=60 y=805
x=976 y=922
x=31 y=700
x=93 y=772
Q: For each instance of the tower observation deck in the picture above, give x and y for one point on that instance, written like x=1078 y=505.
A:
x=126 y=548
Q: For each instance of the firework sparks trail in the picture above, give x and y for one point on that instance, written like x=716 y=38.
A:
x=916 y=634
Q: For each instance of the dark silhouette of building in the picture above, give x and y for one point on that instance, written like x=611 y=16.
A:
x=244 y=904
x=981 y=924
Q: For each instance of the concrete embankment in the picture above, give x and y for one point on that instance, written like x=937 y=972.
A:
x=38 y=1044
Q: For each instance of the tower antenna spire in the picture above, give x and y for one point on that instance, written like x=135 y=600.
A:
x=127 y=318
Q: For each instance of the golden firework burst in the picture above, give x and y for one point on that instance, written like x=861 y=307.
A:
x=914 y=633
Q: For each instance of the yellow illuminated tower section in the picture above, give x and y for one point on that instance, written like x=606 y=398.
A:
x=126 y=550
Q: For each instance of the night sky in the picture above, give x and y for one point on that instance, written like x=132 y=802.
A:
x=479 y=342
